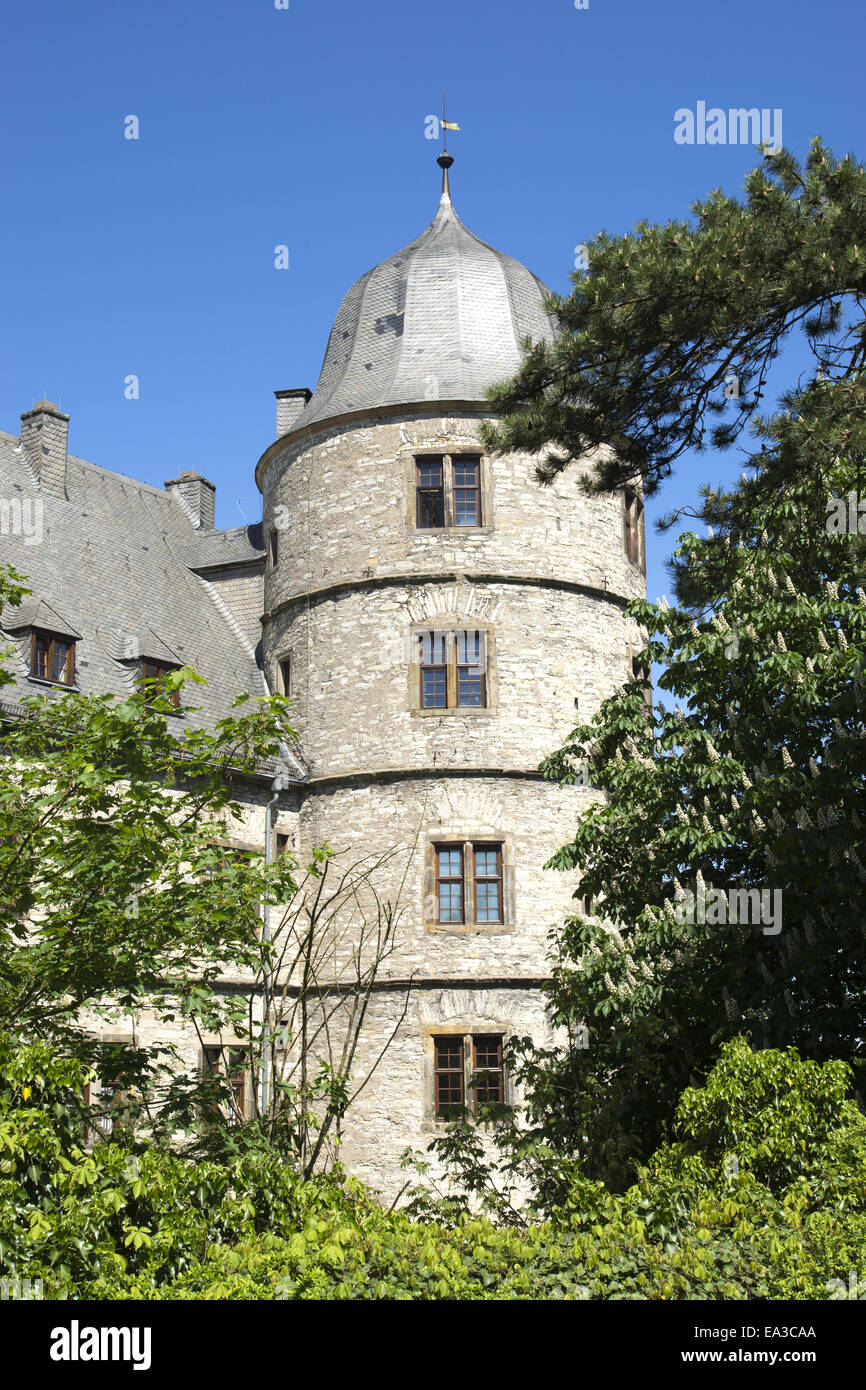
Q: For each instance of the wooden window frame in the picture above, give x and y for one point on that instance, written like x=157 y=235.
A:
x=453 y=1041
x=284 y=674
x=435 y=636
x=459 y=878
x=440 y=500
x=40 y=635
x=215 y=1057
x=487 y=878
x=633 y=532
x=469 y=846
x=464 y=460
x=456 y=1067
x=464 y=666
x=452 y=668
x=115 y=1094
x=159 y=669
x=424 y=492
x=644 y=675
x=492 y=1072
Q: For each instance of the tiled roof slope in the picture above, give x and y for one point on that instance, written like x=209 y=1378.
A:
x=442 y=319
x=115 y=565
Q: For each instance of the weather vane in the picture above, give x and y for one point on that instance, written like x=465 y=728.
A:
x=445 y=160
x=446 y=126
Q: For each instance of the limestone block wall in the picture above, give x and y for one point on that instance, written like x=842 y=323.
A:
x=344 y=504
x=354 y=658
x=531 y=818
x=546 y=579
x=395 y=1109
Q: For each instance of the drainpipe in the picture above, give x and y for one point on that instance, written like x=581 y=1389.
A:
x=276 y=787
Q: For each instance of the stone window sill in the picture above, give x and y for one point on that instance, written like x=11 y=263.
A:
x=450 y=530
x=474 y=710
x=467 y=928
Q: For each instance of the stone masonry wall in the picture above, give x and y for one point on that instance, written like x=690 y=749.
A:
x=344 y=504
x=545 y=577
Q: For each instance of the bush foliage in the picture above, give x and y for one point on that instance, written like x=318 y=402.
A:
x=763 y=1195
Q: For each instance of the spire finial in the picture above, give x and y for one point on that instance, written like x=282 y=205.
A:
x=445 y=160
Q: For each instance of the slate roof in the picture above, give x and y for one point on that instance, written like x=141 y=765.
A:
x=441 y=320
x=115 y=569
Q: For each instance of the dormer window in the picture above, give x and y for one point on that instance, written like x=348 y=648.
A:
x=52 y=658
x=157 y=671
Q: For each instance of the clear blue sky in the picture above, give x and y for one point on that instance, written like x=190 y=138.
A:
x=306 y=127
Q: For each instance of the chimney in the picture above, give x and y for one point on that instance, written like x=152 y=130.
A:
x=44 y=434
x=289 y=406
x=198 y=497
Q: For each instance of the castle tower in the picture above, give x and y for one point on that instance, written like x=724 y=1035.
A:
x=440 y=619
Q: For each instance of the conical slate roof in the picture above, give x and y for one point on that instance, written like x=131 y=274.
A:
x=441 y=320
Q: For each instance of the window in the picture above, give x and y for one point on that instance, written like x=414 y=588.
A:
x=488 y=883
x=466 y=885
x=486 y=1074
x=467 y=491
x=641 y=673
x=448 y=1068
x=633 y=527
x=449 y=883
x=226 y=893
x=52 y=658
x=230 y=1065
x=284 y=675
x=110 y=1098
x=453 y=667
x=430 y=491
x=434 y=670
x=282 y=843
x=448 y=491
x=274 y=552
x=470 y=669
x=157 y=671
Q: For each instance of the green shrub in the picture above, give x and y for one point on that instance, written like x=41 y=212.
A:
x=762 y=1196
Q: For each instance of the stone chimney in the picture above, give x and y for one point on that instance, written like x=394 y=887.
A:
x=44 y=434
x=289 y=406
x=198 y=497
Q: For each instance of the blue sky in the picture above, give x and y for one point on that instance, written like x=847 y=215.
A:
x=306 y=127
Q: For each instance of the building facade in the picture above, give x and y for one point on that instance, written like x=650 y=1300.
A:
x=440 y=620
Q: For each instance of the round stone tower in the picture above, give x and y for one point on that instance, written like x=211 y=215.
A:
x=442 y=621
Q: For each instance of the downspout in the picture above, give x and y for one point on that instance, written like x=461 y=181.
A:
x=276 y=787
